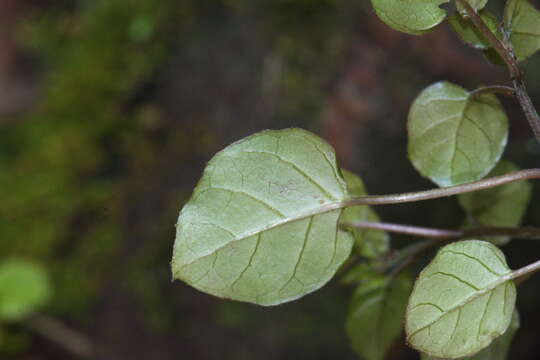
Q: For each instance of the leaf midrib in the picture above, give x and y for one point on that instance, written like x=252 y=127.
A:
x=317 y=211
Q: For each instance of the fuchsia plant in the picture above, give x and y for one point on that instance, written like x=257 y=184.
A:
x=274 y=217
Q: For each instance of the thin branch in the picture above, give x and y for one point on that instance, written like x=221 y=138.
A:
x=443 y=234
x=406 y=229
x=440 y=192
x=528 y=107
x=68 y=339
x=520 y=233
x=525 y=272
x=498 y=89
x=506 y=52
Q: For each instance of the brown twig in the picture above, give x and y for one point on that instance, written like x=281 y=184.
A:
x=68 y=339
x=506 y=52
x=443 y=234
x=439 y=192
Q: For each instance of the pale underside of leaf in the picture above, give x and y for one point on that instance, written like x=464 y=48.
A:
x=499 y=348
x=455 y=137
x=413 y=16
x=262 y=226
x=461 y=301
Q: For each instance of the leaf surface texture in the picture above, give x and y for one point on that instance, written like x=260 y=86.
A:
x=262 y=224
x=454 y=136
x=461 y=301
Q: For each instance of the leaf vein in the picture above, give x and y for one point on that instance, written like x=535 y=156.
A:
x=298 y=170
x=472 y=258
x=257 y=242
x=456 y=278
x=306 y=236
x=484 y=314
x=428 y=304
x=256 y=199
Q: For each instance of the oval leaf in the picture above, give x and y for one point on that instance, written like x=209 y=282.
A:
x=522 y=21
x=376 y=314
x=466 y=30
x=500 y=206
x=413 y=17
x=24 y=289
x=461 y=301
x=498 y=350
x=262 y=224
x=368 y=242
x=454 y=136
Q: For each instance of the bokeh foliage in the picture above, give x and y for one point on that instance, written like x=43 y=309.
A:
x=72 y=167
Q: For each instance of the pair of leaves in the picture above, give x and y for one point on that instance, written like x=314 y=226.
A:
x=501 y=206
x=415 y=17
x=521 y=25
x=461 y=302
x=24 y=289
x=376 y=313
x=455 y=136
x=262 y=224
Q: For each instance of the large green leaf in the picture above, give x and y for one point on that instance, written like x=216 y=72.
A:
x=262 y=224
x=376 y=314
x=498 y=350
x=410 y=16
x=466 y=30
x=500 y=206
x=24 y=289
x=461 y=301
x=455 y=136
x=369 y=243
x=522 y=21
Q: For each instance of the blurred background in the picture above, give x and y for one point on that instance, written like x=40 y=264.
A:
x=109 y=110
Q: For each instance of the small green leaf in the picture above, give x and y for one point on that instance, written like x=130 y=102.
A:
x=522 y=21
x=475 y=4
x=454 y=136
x=24 y=289
x=461 y=301
x=369 y=243
x=376 y=313
x=493 y=57
x=498 y=350
x=466 y=30
x=500 y=206
x=361 y=272
x=375 y=242
x=410 y=16
x=262 y=224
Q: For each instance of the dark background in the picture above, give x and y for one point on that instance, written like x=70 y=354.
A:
x=109 y=110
